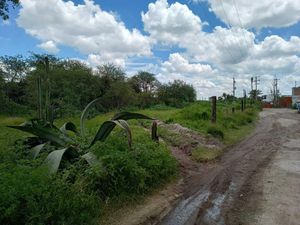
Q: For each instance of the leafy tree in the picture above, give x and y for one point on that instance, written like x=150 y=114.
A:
x=254 y=94
x=110 y=73
x=13 y=68
x=177 y=92
x=144 y=82
x=145 y=85
x=72 y=86
x=4 y=7
x=119 y=95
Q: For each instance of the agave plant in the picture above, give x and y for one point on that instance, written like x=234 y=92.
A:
x=66 y=145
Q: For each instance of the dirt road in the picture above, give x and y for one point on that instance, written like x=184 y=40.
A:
x=255 y=182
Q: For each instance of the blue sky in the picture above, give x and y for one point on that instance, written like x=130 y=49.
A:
x=204 y=42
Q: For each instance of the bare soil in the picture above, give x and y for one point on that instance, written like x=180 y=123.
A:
x=255 y=182
x=231 y=191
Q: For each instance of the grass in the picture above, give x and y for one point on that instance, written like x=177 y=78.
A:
x=80 y=190
x=129 y=175
x=202 y=154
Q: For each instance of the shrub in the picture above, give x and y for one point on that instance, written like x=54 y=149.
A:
x=132 y=172
x=31 y=196
x=215 y=132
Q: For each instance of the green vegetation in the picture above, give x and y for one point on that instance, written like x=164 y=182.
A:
x=111 y=158
x=78 y=192
x=69 y=85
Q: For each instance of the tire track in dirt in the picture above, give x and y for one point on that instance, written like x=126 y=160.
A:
x=209 y=196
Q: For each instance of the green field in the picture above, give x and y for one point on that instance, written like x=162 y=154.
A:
x=30 y=196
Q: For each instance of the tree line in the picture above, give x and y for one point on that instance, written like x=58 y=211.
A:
x=73 y=84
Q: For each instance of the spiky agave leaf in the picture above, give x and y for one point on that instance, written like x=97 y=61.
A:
x=108 y=126
x=45 y=133
x=125 y=126
x=91 y=159
x=36 y=150
x=84 y=113
x=129 y=116
x=69 y=126
x=54 y=159
x=103 y=131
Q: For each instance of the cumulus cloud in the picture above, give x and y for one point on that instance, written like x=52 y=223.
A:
x=257 y=14
x=85 y=27
x=170 y=24
x=178 y=64
x=207 y=60
x=49 y=46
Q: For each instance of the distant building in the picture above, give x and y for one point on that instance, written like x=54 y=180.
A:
x=295 y=94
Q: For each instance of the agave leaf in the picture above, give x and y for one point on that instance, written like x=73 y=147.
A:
x=91 y=159
x=54 y=158
x=104 y=131
x=44 y=133
x=83 y=114
x=124 y=125
x=129 y=116
x=68 y=126
x=36 y=150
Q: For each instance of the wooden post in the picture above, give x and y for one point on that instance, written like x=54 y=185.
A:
x=213 y=109
x=242 y=105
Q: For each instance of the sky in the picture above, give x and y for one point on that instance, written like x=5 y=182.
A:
x=203 y=42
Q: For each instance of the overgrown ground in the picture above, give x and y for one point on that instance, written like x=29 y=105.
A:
x=80 y=195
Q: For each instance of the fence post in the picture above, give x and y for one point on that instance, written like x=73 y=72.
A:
x=213 y=109
x=242 y=105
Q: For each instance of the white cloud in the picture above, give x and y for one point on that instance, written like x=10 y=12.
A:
x=177 y=67
x=85 y=27
x=178 y=64
x=208 y=60
x=49 y=46
x=170 y=24
x=95 y=60
x=257 y=14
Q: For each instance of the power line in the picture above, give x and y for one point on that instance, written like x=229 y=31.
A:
x=240 y=21
x=217 y=34
x=229 y=26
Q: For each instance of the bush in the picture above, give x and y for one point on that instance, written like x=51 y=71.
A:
x=146 y=166
x=215 y=132
x=31 y=196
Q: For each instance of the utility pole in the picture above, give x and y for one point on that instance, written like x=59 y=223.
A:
x=233 y=87
x=275 y=91
x=251 y=84
x=256 y=81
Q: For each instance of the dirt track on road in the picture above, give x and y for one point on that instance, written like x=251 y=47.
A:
x=231 y=191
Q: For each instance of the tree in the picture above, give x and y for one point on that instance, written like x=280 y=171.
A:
x=145 y=85
x=119 y=95
x=254 y=94
x=4 y=7
x=144 y=82
x=177 y=92
x=110 y=73
x=13 y=68
x=72 y=86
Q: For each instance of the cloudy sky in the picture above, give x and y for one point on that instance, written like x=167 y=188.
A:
x=203 y=42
